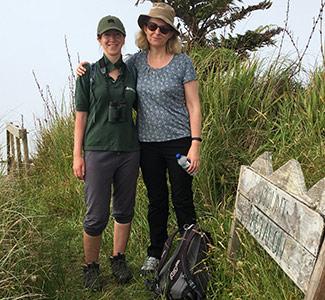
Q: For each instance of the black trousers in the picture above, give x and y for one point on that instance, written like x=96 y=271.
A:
x=156 y=159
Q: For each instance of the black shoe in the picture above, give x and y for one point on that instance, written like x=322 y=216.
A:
x=91 y=277
x=120 y=268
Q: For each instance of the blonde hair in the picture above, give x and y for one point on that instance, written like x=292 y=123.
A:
x=173 y=46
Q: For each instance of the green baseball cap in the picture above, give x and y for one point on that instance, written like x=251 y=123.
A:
x=110 y=23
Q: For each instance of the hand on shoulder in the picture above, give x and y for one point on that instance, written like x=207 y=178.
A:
x=81 y=69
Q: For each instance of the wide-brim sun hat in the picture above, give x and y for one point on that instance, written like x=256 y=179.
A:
x=160 y=11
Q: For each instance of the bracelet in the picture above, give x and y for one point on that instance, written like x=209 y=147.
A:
x=196 y=138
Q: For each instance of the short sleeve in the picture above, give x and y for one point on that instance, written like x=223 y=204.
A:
x=189 y=71
x=82 y=93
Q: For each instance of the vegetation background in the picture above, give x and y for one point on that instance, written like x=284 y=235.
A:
x=248 y=108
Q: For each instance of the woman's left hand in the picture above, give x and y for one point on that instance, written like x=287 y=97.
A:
x=193 y=156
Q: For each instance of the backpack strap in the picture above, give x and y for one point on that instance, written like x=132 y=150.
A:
x=187 y=274
x=190 y=279
x=92 y=75
x=102 y=65
x=153 y=284
x=166 y=250
x=181 y=256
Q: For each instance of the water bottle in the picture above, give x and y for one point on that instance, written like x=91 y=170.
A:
x=183 y=161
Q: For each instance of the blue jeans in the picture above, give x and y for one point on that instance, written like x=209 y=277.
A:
x=156 y=160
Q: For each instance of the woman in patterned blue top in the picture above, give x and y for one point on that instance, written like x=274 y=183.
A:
x=169 y=122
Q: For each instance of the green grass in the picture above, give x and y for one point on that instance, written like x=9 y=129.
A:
x=247 y=110
x=20 y=274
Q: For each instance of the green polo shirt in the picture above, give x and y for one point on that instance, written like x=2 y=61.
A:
x=102 y=133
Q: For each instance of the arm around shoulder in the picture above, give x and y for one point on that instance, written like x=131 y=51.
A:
x=82 y=68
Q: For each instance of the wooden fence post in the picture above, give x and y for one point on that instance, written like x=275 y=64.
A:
x=316 y=289
x=8 y=152
x=18 y=155
x=15 y=137
x=25 y=149
x=12 y=152
x=234 y=242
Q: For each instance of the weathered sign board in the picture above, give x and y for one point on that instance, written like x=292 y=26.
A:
x=285 y=219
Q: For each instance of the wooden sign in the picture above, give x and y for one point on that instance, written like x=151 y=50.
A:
x=285 y=219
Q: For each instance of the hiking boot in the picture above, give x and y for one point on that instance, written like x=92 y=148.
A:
x=150 y=265
x=91 y=276
x=120 y=268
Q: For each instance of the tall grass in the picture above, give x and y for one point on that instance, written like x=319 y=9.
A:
x=21 y=272
x=247 y=110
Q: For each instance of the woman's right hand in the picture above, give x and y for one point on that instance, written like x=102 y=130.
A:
x=79 y=167
x=81 y=70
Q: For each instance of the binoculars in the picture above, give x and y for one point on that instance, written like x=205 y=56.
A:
x=116 y=112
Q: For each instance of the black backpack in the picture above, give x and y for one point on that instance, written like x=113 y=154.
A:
x=184 y=273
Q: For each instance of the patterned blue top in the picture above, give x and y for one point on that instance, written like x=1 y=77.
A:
x=162 y=113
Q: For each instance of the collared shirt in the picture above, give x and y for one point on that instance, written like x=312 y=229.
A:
x=162 y=112
x=103 y=132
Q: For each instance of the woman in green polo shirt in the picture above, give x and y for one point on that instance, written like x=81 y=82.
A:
x=106 y=151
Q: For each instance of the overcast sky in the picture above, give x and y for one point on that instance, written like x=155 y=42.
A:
x=32 y=36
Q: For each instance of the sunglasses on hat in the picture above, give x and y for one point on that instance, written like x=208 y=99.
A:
x=163 y=29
